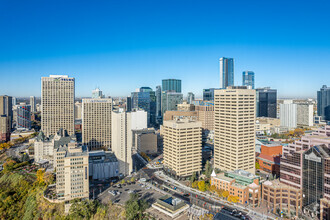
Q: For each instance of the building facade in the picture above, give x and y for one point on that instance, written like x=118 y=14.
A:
x=97 y=94
x=6 y=108
x=145 y=100
x=208 y=94
x=158 y=104
x=182 y=146
x=269 y=158
x=305 y=114
x=33 y=104
x=96 y=123
x=288 y=114
x=173 y=85
x=57 y=101
x=170 y=100
x=266 y=102
x=190 y=97
x=226 y=72
x=234 y=129
x=323 y=103
x=248 y=79
x=23 y=116
x=205 y=114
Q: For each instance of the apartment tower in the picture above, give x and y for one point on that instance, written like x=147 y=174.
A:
x=96 y=122
x=182 y=146
x=234 y=129
x=33 y=104
x=57 y=101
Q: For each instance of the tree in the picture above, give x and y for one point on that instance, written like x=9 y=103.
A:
x=194 y=185
x=212 y=188
x=193 y=177
x=82 y=209
x=132 y=179
x=48 y=178
x=201 y=185
x=135 y=207
x=25 y=157
x=257 y=165
x=122 y=182
x=40 y=176
x=225 y=194
x=219 y=192
x=208 y=169
x=9 y=165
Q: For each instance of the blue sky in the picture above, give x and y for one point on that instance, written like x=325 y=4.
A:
x=122 y=45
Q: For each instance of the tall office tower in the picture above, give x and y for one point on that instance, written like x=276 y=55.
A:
x=23 y=116
x=128 y=104
x=4 y=129
x=248 y=79
x=170 y=100
x=288 y=114
x=234 y=128
x=57 y=101
x=205 y=114
x=145 y=99
x=226 y=72
x=266 y=102
x=158 y=104
x=72 y=175
x=14 y=101
x=190 y=97
x=6 y=108
x=33 y=104
x=97 y=94
x=121 y=140
x=182 y=146
x=208 y=94
x=323 y=103
x=173 y=85
x=305 y=114
x=96 y=123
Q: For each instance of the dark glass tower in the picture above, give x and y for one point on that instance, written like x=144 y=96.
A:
x=173 y=85
x=266 y=102
x=323 y=103
x=248 y=79
x=145 y=99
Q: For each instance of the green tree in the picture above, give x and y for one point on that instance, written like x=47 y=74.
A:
x=193 y=177
x=257 y=165
x=82 y=209
x=135 y=207
x=208 y=169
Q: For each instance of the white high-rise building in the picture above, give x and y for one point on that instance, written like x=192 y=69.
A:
x=57 y=101
x=121 y=140
x=96 y=123
x=139 y=120
x=305 y=114
x=288 y=114
x=33 y=103
x=234 y=128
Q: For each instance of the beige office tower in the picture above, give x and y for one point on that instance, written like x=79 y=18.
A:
x=234 y=128
x=96 y=123
x=121 y=140
x=57 y=101
x=182 y=146
x=78 y=110
x=72 y=175
x=205 y=114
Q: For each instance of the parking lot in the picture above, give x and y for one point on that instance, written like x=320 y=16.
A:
x=123 y=193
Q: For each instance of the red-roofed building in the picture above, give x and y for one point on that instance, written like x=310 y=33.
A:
x=269 y=158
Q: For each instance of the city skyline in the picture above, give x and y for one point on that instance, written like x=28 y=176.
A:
x=94 y=48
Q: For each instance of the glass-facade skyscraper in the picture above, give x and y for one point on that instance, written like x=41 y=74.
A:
x=248 y=79
x=173 y=85
x=226 y=72
x=170 y=100
x=24 y=116
x=145 y=99
x=158 y=104
x=323 y=103
x=266 y=102
x=208 y=94
x=190 y=97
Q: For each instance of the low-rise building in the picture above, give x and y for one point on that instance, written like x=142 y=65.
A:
x=170 y=206
x=185 y=107
x=145 y=140
x=269 y=158
x=281 y=197
x=102 y=165
x=239 y=183
x=172 y=115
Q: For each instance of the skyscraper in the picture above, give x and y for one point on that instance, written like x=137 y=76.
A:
x=171 y=85
x=248 y=79
x=23 y=116
x=266 y=102
x=97 y=94
x=183 y=155
x=33 y=103
x=323 y=103
x=96 y=122
x=6 y=109
x=288 y=114
x=158 y=103
x=190 y=97
x=226 y=72
x=57 y=101
x=234 y=125
x=170 y=100
x=145 y=99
